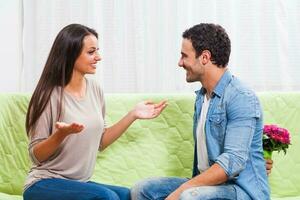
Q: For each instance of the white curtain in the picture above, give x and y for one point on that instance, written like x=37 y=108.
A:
x=11 y=45
x=140 y=40
x=43 y=19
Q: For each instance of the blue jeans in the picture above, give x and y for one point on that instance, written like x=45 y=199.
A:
x=64 y=189
x=160 y=188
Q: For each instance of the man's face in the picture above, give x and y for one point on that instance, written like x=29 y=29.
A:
x=189 y=62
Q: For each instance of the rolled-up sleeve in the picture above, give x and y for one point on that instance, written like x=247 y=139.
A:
x=242 y=115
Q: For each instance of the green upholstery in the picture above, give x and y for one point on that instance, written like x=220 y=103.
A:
x=284 y=109
x=158 y=147
x=14 y=161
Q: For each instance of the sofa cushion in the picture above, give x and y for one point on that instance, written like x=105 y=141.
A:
x=4 y=196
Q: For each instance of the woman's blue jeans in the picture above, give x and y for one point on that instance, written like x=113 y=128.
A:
x=64 y=189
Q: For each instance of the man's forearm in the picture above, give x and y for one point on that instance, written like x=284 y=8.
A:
x=215 y=175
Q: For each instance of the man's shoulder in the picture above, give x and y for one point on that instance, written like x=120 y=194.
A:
x=237 y=88
x=238 y=96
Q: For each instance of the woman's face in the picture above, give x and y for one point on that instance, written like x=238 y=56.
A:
x=86 y=63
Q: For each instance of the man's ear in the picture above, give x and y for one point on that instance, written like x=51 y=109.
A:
x=206 y=55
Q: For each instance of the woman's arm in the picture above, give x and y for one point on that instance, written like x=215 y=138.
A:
x=143 y=110
x=46 y=148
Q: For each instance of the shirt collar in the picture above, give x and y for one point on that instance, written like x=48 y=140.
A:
x=220 y=87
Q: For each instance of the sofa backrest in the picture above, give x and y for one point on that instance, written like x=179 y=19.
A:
x=284 y=109
x=14 y=160
x=158 y=147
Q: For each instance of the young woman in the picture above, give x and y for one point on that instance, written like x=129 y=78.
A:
x=65 y=122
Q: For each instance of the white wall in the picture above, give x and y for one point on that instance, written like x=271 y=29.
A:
x=11 y=45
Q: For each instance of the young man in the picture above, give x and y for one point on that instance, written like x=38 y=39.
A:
x=228 y=161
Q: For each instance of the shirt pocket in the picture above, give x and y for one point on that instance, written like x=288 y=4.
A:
x=217 y=123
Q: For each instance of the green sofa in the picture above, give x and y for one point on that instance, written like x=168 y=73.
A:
x=158 y=147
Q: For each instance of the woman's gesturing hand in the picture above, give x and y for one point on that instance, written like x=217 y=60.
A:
x=68 y=129
x=148 y=109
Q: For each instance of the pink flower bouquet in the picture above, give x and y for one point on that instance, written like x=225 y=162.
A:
x=275 y=138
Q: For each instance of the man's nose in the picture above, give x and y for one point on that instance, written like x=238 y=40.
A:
x=180 y=62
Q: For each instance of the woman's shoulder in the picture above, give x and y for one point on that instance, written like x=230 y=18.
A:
x=94 y=86
x=91 y=82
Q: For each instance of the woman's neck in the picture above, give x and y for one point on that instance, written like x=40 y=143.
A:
x=76 y=86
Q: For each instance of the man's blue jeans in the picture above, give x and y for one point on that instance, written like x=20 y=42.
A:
x=160 y=188
x=64 y=189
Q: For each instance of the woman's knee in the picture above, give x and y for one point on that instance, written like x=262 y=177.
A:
x=124 y=193
x=107 y=195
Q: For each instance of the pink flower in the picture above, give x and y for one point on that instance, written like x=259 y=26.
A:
x=275 y=138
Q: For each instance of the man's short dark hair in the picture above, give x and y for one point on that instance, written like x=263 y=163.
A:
x=210 y=37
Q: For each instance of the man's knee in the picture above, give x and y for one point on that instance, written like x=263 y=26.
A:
x=151 y=188
x=204 y=192
x=156 y=188
x=189 y=194
x=139 y=190
x=208 y=193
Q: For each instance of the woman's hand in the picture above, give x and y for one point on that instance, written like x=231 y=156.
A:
x=68 y=129
x=143 y=110
x=148 y=109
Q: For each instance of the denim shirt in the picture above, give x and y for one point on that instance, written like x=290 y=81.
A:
x=233 y=130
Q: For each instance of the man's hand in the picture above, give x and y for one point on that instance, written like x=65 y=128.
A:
x=269 y=165
x=174 y=195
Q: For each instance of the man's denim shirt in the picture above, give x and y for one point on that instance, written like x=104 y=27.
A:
x=233 y=130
